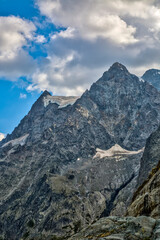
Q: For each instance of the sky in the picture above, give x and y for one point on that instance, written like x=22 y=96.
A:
x=63 y=46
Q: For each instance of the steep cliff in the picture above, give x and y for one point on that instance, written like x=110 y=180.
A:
x=146 y=200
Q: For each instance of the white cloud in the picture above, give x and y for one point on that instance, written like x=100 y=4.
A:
x=2 y=136
x=61 y=77
x=21 y=65
x=68 y=33
x=97 y=33
x=91 y=19
x=119 y=21
x=22 y=96
x=40 y=39
x=16 y=33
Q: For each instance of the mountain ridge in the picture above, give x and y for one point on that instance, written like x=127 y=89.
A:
x=59 y=184
x=153 y=77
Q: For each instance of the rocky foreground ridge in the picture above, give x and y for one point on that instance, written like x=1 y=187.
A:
x=72 y=161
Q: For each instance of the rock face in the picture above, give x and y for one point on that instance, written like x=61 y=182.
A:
x=63 y=203
x=152 y=76
x=146 y=200
x=121 y=105
x=126 y=106
x=150 y=157
x=129 y=228
x=73 y=160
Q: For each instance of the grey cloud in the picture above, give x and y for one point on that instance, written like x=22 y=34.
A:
x=21 y=65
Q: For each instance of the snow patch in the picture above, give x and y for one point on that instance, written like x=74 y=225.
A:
x=61 y=101
x=141 y=79
x=115 y=151
x=18 y=141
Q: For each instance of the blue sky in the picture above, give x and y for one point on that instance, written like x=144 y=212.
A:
x=63 y=46
x=15 y=101
x=12 y=107
x=24 y=9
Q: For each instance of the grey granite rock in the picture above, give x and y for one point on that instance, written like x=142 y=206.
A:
x=111 y=228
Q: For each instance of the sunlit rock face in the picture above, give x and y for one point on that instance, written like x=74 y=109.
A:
x=73 y=160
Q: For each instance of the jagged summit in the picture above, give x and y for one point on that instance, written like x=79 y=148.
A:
x=117 y=67
x=45 y=93
x=39 y=103
x=117 y=70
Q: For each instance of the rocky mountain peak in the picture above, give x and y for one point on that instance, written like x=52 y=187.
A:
x=152 y=76
x=39 y=104
x=117 y=67
x=116 y=71
x=152 y=71
x=45 y=93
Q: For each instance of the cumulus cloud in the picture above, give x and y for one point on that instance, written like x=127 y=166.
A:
x=105 y=19
x=90 y=36
x=61 y=76
x=68 y=33
x=95 y=34
x=2 y=136
x=21 y=65
x=90 y=19
x=15 y=34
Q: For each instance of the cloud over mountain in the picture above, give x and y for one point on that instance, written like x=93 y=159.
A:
x=84 y=39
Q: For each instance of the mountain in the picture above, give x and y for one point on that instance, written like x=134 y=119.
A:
x=146 y=199
x=143 y=214
x=73 y=160
x=152 y=76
